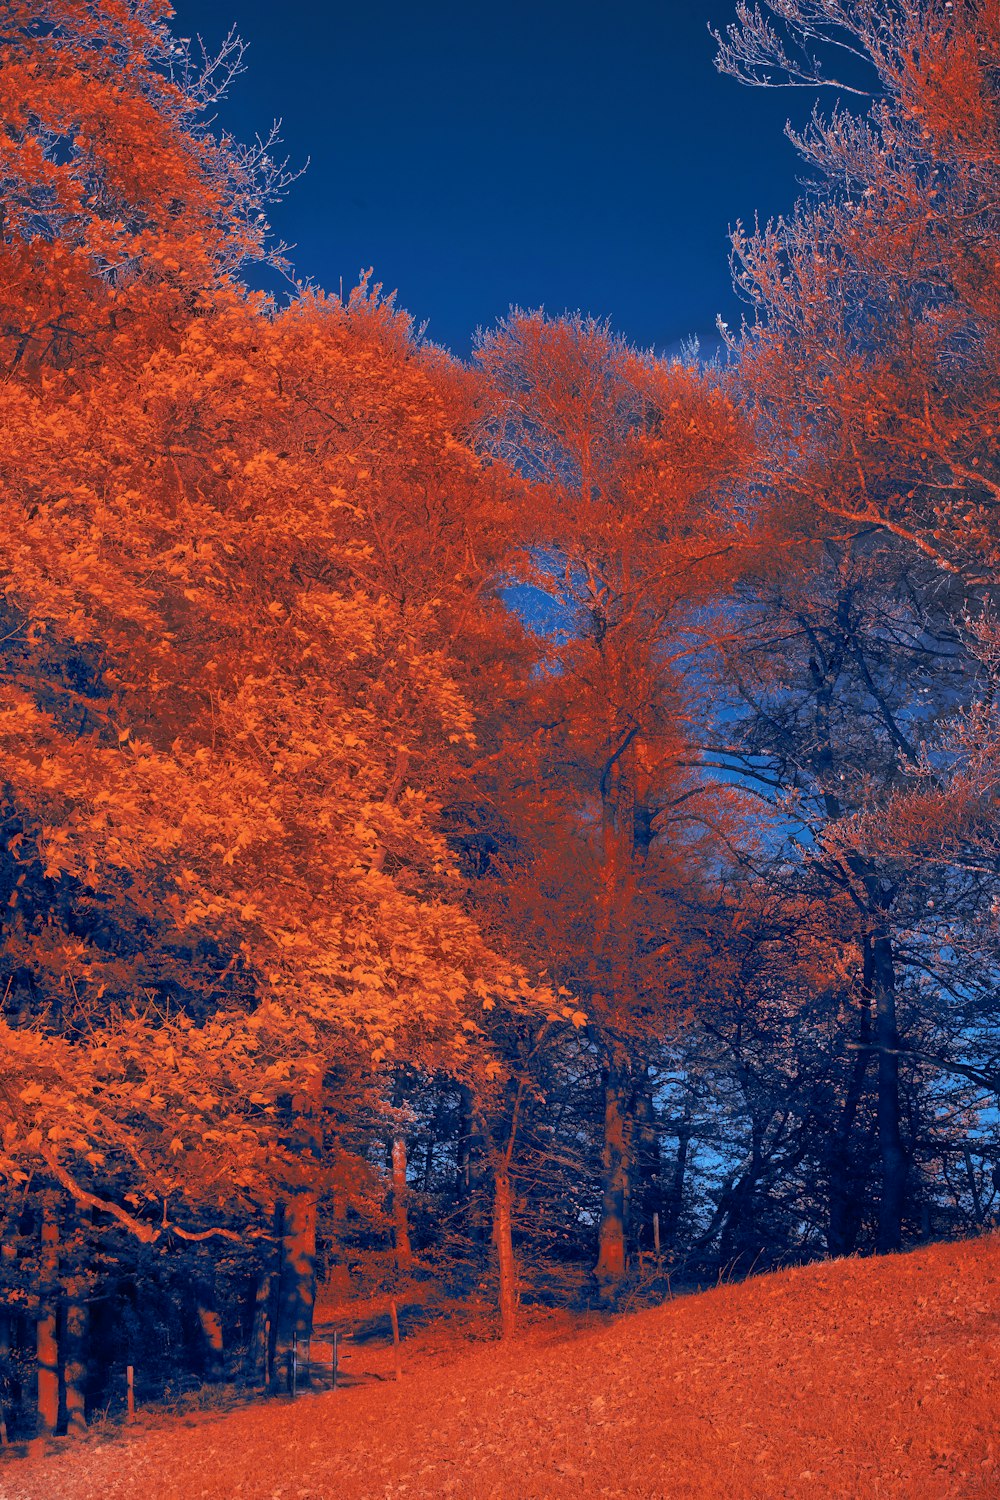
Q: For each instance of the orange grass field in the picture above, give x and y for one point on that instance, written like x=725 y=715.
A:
x=854 y=1378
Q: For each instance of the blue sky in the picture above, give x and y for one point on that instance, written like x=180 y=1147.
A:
x=580 y=155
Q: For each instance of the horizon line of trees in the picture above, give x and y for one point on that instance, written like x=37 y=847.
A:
x=524 y=828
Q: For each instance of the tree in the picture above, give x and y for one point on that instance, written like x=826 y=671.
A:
x=870 y=366
x=231 y=681
x=622 y=454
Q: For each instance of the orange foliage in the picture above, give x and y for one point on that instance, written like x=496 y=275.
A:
x=240 y=551
x=626 y=533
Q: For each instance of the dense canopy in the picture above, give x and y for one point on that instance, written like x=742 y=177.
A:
x=525 y=826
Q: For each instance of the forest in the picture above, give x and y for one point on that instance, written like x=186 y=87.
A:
x=507 y=832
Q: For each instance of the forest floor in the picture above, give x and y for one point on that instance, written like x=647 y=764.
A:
x=859 y=1379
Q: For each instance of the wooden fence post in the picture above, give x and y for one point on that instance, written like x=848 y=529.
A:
x=335 y=1338
x=130 y=1385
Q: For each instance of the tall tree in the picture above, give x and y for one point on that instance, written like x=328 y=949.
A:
x=871 y=366
x=622 y=454
x=240 y=550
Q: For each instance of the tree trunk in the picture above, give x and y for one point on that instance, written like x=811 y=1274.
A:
x=47 y=1346
x=296 y=1288
x=890 y=1140
x=470 y=1167
x=675 y=1197
x=737 y=1235
x=429 y=1165
x=9 y=1385
x=258 y=1365
x=618 y=833
x=400 y=1217
x=211 y=1331
x=644 y=1197
x=6 y=1345
x=610 y=1268
x=503 y=1240
x=844 y=1206
x=75 y=1367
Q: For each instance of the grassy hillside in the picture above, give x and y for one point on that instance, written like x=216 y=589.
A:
x=861 y=1379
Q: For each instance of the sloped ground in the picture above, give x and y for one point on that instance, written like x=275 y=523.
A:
x=856 y=1379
